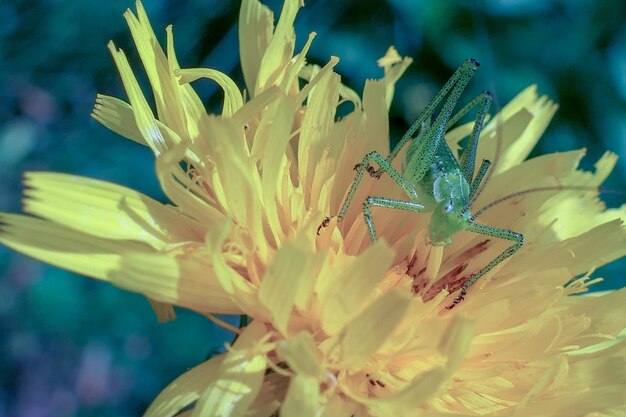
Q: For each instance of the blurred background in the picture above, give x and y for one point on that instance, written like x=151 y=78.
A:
x=72 y=346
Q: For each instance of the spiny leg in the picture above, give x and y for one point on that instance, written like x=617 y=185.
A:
x=386 y=203
x=484 y=166
x=360 y=170
x=494 y=232
x=468 y=158
x=461 y=76
x=422 y=157
x=384 y=166
x=468 y=107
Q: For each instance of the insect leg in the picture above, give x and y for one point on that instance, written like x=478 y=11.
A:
x=384 y=166
x=494 y=232
x=424 y=153
x=387 y=203
x=484 y=166
x=468 y=158
x=460 y=75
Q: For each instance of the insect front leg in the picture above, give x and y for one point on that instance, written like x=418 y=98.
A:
x=494 y=232
x=387 y=203
x=360 y=169
x=384 y=166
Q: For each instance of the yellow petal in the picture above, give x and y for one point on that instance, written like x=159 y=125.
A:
x=118 y=116
x=185 y=389
x=290 y=81
x=302 y=355
x=194 y=108
x=234 y=387
x=542 y=110
x=232 y=96
x=507 y=131
x=274 y=132
x=256 y=105
x=240 y=183
x=170 y=109
x=188 y=387
x=302 y=398
x=183 y=282
x=280 y=48
x=453 y=345
x=364 y=335
x=64 y=247
x=376 y=123
x=318 y=121
x=579 y=254
x=143 y=115
x=256 y=27
x=182 y=191
x=290 y=277
x=339 y=406
x=231 y=282
x=456 y=342
x=394 y=67
x=106 y=210
x=353 y=285
x=164 y=311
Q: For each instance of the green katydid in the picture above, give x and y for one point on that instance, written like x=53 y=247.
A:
x=433 y=179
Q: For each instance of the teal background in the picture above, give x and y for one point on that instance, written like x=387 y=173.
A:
x=72 y=346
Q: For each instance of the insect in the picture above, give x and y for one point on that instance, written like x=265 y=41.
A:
x=433 y=179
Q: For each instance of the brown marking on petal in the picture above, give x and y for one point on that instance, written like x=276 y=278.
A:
x=419 y=284
x=372 y=382
x=379 y=383
x=452 y=281
x=411 y=262
x=472 y=252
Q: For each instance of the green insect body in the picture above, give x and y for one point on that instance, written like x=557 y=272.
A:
x=433 y=179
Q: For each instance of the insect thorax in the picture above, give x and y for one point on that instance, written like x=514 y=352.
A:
x=446 y=193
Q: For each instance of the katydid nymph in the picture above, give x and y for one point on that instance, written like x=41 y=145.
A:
x=432 y=177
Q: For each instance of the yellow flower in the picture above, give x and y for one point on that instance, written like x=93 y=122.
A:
x=341 y=326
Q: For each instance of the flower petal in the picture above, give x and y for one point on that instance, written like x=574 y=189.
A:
x=239 y=379
x=290 y=278
x=367 y=332
x=118 y=116
x=185 y=389
x=301 y=354
x=256 y=27
x=232 y=96
x=183 y=282
x=106 y=210
x=143 y=115
x=353 y=285
x=302 y=398
x=188 y=387
x=170 y=109
x=63 y=247
x=280 y=48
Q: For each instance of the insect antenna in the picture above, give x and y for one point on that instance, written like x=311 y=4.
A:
x=539 y=189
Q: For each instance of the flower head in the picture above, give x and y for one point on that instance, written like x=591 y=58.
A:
x=340 y=326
